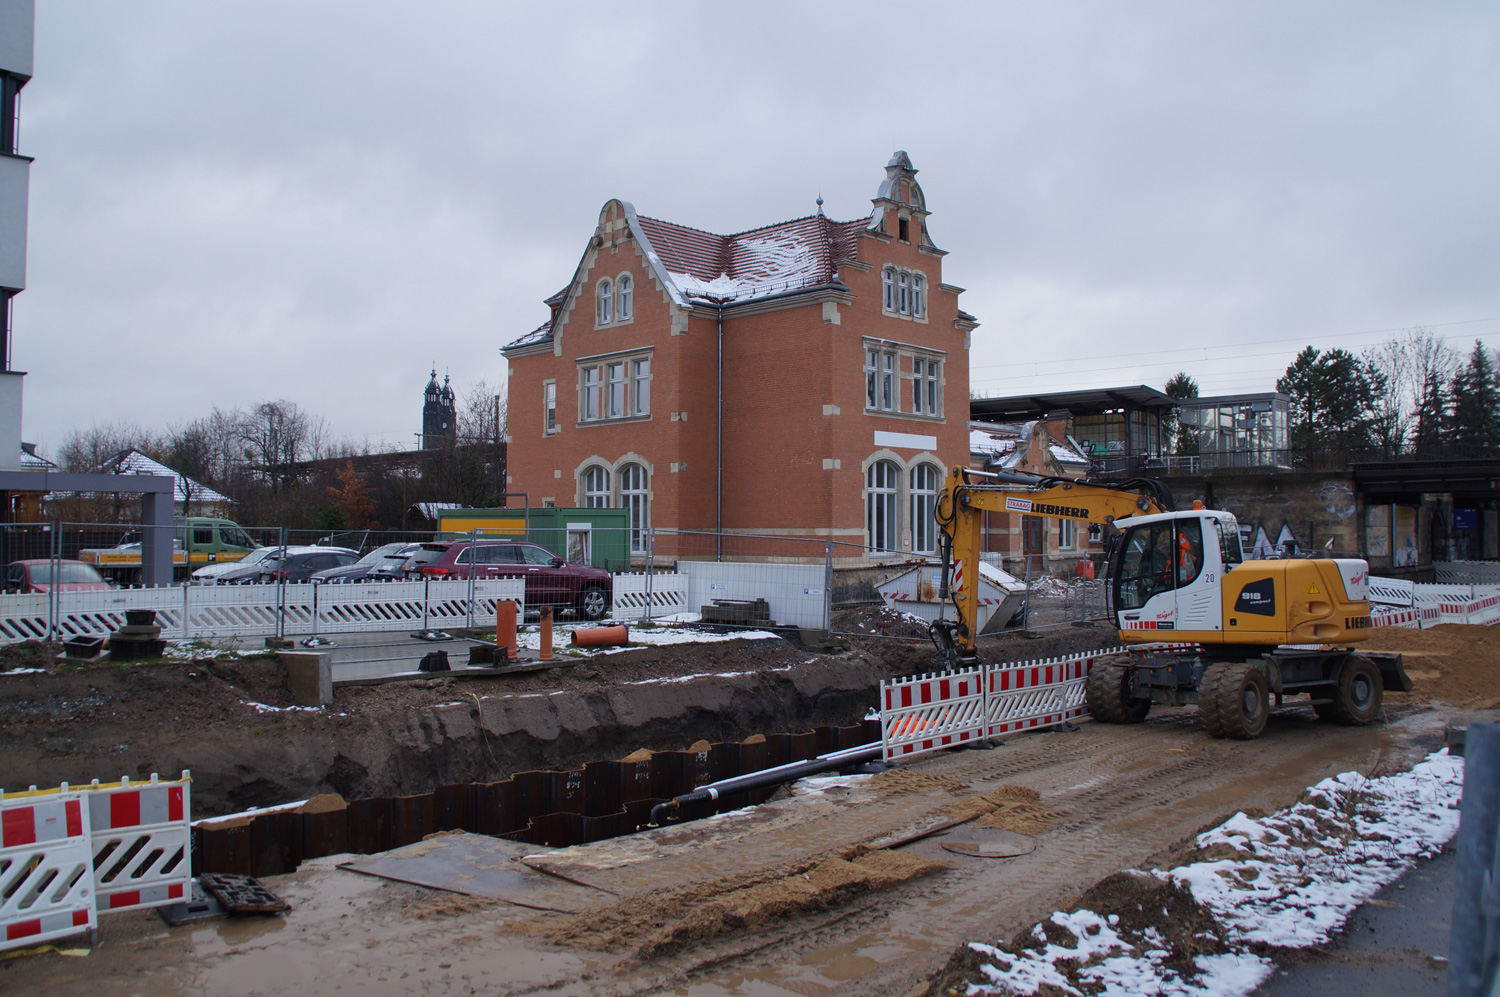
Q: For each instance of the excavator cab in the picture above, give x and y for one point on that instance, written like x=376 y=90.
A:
x=1169 y=570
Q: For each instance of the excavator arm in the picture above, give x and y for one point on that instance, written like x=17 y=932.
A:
x=967 y=495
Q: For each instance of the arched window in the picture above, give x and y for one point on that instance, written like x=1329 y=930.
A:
x=604 y=299
x=881 y=485
x=918 y=295
x=924 y=492
x=903 y=303
x=596 y=488
x=623 y=289
x=635 y=495
x=888 y=286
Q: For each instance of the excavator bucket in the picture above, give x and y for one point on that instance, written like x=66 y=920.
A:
x=1392 y=675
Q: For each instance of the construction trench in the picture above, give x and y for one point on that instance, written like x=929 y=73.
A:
x=838 y=885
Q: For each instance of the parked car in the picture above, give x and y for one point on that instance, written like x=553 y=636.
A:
x=297 y=564
x=38 y=575
x=383 y=564
x=550 y=580
x=209 y=574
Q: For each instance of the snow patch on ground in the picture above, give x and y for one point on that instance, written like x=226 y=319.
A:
x=641 y=637
x=1293 y=880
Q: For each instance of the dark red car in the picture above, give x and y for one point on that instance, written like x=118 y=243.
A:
x=37 y=575
x=550 y=580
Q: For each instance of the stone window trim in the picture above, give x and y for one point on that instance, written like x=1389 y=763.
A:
x=614 y=300
x=549 y=407
x=905 y=535
x=904 y=293
x=891 y=366
x=613 y=386
x=618 y=486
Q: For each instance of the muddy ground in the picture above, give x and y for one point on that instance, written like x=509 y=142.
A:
x=785 y=907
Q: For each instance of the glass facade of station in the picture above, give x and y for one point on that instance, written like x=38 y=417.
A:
x=1239 y=430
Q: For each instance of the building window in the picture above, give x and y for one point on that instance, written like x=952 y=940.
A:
x=635 y=495
x=1067 y=534
x=617 y=386
x=604 y=299
x=596 y=488
x=623 y=287
x=903 y=292
x=924 y=492
x=881 y=488
x=616 y=372
x=590 y=393
x=925 y=395
x=549 y=406
x=903 y=230
x=641 y=386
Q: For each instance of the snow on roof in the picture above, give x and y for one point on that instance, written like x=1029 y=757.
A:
x=184 y=489
x=788 y=256
x=1067 y=455
x=430 y=510
x=994 y=441
x=33 y=461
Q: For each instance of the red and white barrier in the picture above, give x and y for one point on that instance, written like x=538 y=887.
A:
x=141 y=843
x=46 y=891
x=1036 y=694
x=69 y=854
x=932 y=712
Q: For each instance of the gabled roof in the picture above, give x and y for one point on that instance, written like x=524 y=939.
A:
x=184 y=489
x=1002 y=445
x=797 y=255
x=33 y=461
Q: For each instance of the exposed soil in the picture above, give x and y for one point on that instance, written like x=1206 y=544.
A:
x=1452 y=662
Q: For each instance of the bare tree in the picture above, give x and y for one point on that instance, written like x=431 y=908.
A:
x=275 y=434
x=481 y=415
x=86 y=450
x=1407 y=366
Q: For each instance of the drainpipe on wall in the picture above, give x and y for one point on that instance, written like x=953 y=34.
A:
x=719 y=439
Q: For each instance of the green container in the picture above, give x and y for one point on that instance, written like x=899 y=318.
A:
x=600 y=537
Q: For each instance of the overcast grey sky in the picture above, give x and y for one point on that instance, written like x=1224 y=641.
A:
x=238 y=201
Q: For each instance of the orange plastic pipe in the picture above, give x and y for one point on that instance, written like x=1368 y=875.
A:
x=601 y=637
x=505 y=628
x=546 y=633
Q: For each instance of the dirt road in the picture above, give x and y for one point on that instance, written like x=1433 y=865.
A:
x=1120 y=795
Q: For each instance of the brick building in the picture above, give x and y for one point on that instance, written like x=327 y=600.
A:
x=808 y=378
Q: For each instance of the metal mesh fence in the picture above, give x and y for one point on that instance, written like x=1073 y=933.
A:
x=732 y=580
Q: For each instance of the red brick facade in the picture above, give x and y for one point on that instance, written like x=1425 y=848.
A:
x=805 y=305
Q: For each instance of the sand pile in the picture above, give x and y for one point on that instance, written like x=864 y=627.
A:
x=659 y=924
x=1009 y=808
x=1452 y=662
x=896 y=781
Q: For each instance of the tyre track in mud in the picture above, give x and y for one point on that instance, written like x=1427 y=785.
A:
x=1124 y=800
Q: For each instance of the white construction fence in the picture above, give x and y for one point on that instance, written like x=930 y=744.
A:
x=69 y=854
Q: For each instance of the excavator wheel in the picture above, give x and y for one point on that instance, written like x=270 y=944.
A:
x=1357 y=697
x=1108 y=693
x=1234 y=700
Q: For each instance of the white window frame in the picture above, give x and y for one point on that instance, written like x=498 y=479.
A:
x=604 y=302
x=624 y=298
x=635 y=496
x=883 y=507
x=924 y=506
x=614 y=382
x=640 y=386
x=549 y=407
x=903 y=293
x=596 y=482
x=1067 y=534
x=888 y=288
x=926 y=385
x=918 y=295
x=590 y=393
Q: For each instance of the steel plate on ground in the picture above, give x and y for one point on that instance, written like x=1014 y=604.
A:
x=478 y=866
x=988 y=843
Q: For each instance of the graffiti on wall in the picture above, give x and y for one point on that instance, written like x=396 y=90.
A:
x=1259 y=545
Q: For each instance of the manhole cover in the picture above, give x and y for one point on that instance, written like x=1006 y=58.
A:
x=986 y=843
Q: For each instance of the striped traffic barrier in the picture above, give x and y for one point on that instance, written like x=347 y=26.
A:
x=141 y=842
x=46 y=891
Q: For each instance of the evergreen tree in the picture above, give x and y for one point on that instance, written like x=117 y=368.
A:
x=1180 y=439
x=1476 y=403
x=1430 y=427
x=1332 y=399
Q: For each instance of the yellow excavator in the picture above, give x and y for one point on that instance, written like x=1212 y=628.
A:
x=1245 y=630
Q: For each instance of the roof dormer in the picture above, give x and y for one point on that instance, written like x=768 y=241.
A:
x=900 y=207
